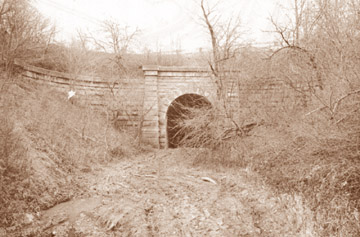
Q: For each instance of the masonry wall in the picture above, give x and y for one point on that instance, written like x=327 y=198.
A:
x=124 y=97
x=247 y=96
x=143 y=102
x=266 y=94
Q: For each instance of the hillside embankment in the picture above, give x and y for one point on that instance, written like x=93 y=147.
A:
x=45 y=141
x=66 y=171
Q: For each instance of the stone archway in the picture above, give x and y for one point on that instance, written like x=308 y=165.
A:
x=177 y=109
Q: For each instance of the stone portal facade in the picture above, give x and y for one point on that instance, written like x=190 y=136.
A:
x=162 y=86
x=143 y=103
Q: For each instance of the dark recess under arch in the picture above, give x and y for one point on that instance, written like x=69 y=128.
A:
x=176 y=110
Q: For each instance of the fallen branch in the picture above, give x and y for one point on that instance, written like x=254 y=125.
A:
x=313 y=111
x=335 y=104
x=207 y=179
x=84 y=136
x=343 y=118
x=122 y=185
x=145 y=175
x=240 y=131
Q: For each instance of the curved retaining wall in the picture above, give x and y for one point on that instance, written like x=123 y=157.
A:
x=125 y=96
x=151 y=95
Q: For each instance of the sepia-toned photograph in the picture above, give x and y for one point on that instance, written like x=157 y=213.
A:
x=184 y=118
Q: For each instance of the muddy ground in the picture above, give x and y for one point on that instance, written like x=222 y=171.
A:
x=164 y=194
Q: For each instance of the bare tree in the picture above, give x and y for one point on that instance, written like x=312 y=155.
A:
x=220 y=125
x=225 y=35
x=320 y=45
x=23 y=31
x=79 y=58
x=117 y=40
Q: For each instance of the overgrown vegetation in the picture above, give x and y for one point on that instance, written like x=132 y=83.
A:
x=305 y=142
x=24 y=33
x=308 y=144
x=45 y=142
x=295 y=153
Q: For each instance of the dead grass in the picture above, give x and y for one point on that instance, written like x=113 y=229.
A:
x=313 y=156
x=322 y=163
x=44 y=142
x=14 y=171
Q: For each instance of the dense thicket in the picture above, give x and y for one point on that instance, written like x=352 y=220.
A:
x=312 y=149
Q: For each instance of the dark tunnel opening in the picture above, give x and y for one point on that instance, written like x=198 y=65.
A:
x=176 y=110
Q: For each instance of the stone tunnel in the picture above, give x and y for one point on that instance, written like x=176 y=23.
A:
x=155 y=98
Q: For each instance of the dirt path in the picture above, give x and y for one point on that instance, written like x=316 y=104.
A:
x=162 y=194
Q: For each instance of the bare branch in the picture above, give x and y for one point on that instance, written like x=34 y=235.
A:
x=206 y=14
x=281 y=32
x=22 y=31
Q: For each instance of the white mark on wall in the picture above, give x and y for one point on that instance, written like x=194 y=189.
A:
x=71 y=93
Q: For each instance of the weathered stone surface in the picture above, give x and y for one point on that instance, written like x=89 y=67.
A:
x=125 y=95
x=153 y=94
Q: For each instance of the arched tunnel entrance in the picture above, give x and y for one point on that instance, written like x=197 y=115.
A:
x=176 y=111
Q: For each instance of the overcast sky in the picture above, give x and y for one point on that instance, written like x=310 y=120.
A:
x=165 y=25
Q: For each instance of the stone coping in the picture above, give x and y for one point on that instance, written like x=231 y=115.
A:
x=69 y=76
x=174 y=68
x=180 y=69
x=63 y=75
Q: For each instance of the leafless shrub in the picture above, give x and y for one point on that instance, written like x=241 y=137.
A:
x=14 y=165
x=23 y=31
x=307 y=144
x=117 y=41
x=44 y=139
